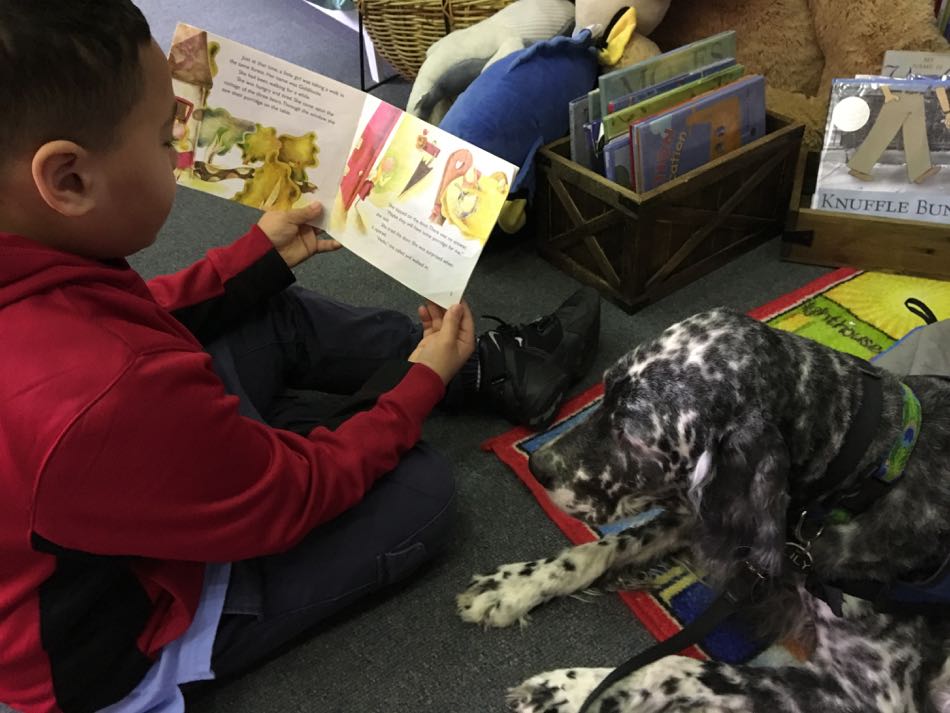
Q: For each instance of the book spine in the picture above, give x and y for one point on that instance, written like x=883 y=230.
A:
x=943 y=14
x=578 y=115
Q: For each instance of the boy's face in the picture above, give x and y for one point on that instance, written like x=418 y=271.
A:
x=138 y=170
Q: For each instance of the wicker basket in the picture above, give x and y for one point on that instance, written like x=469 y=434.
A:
x=402 y=30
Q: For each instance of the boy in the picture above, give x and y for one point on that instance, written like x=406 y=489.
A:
x=153 y=527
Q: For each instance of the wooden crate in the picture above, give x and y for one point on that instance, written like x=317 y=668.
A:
x=818 y=237
x=637 y=247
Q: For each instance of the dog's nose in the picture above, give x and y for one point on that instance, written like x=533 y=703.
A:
x=543 y=466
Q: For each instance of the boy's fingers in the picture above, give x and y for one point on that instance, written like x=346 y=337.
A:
x=299 y=216
x=425 y=314
x=326 y=245
x=310 y=240
x=450 y=323
x=466 y=324
x=436 y=313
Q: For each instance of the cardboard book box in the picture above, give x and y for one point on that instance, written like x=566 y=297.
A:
x=638 y=247
x=819 y=237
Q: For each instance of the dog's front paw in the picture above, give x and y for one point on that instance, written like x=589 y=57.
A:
x=560 y=691
x=503 y=597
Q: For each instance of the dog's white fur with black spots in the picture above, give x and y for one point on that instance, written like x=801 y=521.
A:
x=724 y=422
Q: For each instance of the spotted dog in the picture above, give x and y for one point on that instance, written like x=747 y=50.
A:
x=731 y=427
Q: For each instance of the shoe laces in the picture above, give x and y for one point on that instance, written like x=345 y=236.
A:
x=540 y=325
x=532 y=337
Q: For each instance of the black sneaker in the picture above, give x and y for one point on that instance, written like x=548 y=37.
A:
x=528 y=368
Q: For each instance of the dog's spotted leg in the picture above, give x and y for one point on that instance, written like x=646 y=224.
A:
x=510 y=592
x=850 y=670
x=673 y=684
x=561 y=691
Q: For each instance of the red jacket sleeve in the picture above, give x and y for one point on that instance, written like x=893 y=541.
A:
x=181 y=475
x=223 y=286
x=206 y=278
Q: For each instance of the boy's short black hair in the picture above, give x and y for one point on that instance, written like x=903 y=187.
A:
x=69 y=69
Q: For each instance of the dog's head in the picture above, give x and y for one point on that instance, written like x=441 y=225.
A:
x=682 y=416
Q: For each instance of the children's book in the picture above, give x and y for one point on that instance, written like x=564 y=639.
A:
x=662 y=67
x=695 y=132
x=578 y=113
x=593 y=136
x=617 y=164
x=615 y=105
x=411 y=199
x=594 y=105
x=886 y=149
x=617 y=123
x=943 y=17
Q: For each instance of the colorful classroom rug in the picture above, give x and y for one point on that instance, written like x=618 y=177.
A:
x=858 y=312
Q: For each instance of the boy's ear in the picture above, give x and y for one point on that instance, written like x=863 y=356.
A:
x=63 y=172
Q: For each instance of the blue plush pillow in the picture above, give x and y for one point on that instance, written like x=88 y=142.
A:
x=520 y=103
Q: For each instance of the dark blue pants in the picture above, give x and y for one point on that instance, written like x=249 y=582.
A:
x=301 y=340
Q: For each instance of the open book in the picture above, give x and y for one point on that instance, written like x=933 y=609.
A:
x=412 y=200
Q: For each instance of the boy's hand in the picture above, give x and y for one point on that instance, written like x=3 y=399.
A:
x=448 y=339
x=294 y=239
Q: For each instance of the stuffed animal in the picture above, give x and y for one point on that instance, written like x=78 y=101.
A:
x=621 y=42
x=650 y=13
x=801 y=45
x=519 y=104
x=453 y=62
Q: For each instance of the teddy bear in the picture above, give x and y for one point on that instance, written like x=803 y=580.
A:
x=800 y=46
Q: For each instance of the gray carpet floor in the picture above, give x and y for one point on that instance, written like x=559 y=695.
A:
x=407 y=651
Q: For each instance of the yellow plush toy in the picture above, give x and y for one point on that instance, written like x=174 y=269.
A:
x=624 y=45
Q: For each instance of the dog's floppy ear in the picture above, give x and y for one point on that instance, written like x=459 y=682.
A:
x=740 y=490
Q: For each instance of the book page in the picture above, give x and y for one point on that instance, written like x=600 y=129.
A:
x=258 y=130
x=417 y=202
x=414 y=201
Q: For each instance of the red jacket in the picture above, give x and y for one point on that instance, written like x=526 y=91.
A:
x=124 y=465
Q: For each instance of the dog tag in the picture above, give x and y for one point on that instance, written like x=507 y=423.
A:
x=798 y=556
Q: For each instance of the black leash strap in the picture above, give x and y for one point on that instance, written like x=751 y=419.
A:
x=920 y=309
x=862 y=429
x=739 y=594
